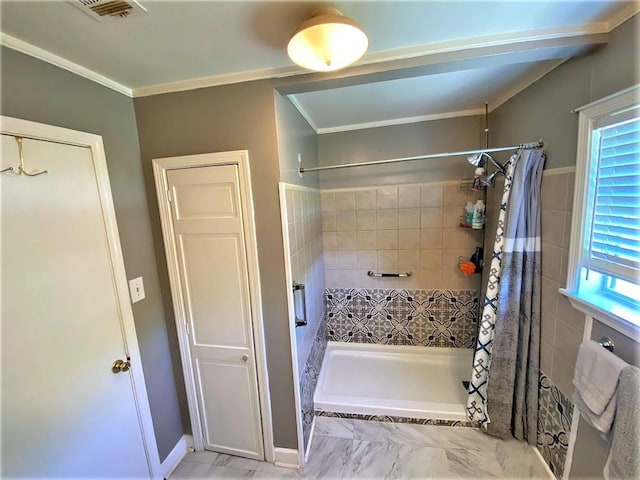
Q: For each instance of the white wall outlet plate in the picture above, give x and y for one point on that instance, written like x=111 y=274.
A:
x=136 y=288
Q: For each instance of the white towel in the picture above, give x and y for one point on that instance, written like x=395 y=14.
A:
x=624 y=461
x=596 y=380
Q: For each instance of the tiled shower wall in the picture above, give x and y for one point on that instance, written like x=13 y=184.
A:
x=304 y=247
x=398 y=229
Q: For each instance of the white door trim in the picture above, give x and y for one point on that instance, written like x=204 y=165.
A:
x=241 y=159
x=40 y=131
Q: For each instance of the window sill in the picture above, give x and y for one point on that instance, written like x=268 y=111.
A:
x=602 y=313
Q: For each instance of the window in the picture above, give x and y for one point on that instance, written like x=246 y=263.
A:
x=604 y=273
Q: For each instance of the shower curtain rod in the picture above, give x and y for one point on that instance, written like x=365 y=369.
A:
x=422 y=157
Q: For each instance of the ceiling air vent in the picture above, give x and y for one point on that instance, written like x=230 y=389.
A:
x=105 y=11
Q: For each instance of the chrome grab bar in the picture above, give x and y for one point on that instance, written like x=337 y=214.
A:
x=378 y=274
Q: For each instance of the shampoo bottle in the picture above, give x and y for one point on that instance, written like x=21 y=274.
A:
x=468 y=213
x=478 y=215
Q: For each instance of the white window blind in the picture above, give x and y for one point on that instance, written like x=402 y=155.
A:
x=614 y=243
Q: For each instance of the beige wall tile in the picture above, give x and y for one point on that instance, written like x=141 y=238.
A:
x=566 y=235
x=409 y=260
x=346 y=241
x=546 y=358
x=570 y=191
x=453 y=196
x=552 y=227
x=430 y=238
x=293 y=246
x=328 y=222
x=430 y=279
x=408 y=197
x=562 y=374
x=554 y=192
x=328 y=201
x=332 y=278
x=552 y=261
x=367 y=240
x=386 y=197
x=289 y=199
x=409 y=239
x=330 y=258
x=366 y=220
x=409 y=218
x=548 y=327
x=367 y=260
x=329 y=241
x=348 y=260
x=345 y=221
x=387 y=239
x=432 y=196
x=549 y=295
x=431 y=259
x=364 y=280
x=570 y=315
x=452 y=216
x=299 y=234
x=568 y=339
x=387 y=219
x=456 y=238
x=388 y=261
x=431 y=217
x=366 y=200
x=345 y=201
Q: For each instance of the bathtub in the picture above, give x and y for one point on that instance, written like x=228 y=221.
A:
x=403 y=381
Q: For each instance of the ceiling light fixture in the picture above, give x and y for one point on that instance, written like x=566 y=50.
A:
x=328 y=41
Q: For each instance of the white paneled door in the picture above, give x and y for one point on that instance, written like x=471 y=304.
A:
x=65 y=413
x=207 y=221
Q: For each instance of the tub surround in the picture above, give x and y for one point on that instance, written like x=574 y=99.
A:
x=433 y=318
x=309 y=380
x=398 y=229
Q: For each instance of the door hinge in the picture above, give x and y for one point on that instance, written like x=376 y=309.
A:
x=169 y=196
x=188 y=328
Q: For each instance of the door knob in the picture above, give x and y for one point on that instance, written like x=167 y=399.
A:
x=120 y=366
x=245 y=358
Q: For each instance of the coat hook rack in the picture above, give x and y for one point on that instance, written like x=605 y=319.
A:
x=21 y=170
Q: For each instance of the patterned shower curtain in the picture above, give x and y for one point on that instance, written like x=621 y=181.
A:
x=503 y=391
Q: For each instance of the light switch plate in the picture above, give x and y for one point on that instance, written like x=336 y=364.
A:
x=136 y=288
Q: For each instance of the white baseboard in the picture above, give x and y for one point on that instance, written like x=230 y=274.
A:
x=176 y=455
x=285 y=457
x=544 y=462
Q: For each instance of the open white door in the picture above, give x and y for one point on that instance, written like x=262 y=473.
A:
x=65 y=318
x=206 y=230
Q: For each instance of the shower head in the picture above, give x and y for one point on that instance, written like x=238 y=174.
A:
x=476 y=159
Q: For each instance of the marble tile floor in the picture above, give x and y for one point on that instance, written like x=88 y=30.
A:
x=359 y=449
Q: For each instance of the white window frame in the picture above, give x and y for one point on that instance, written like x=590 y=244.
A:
x=588 y=116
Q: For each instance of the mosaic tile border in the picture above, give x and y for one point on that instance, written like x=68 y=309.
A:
x=433 y=318
x=394 y=419
x=555 y=412
x=309 y=380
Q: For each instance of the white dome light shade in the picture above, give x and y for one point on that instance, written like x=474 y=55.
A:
x=328 y=41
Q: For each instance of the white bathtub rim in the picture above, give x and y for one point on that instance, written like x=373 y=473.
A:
x=333 y=345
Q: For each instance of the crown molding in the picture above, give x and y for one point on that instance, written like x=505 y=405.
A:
x=400 y=121
x=384 y=56
x=303 y=112
x=623 y=15
x=46 y=56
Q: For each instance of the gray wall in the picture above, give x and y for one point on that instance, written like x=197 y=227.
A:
x=544 y=111
x=37 y=91
x=437 y=136
x=295 y=138
x=232 y=117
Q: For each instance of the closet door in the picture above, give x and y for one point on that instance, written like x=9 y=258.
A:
x=64 y=412
x=206 y=215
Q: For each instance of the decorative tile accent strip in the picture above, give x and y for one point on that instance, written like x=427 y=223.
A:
x=433 y=318
x=393 y=419
x=555 y=412
x=309 y=380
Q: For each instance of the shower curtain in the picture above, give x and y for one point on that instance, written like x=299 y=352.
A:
x=503 y=391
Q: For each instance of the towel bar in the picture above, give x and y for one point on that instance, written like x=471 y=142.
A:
x=607 y=343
